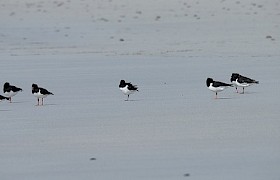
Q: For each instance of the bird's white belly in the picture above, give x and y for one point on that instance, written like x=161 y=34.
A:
x=217 y=89
x=234 y=83
x=10 y=94
x=39 y=95
x=241 y=84
x=126 y=91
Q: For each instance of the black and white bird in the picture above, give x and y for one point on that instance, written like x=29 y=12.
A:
x=241 y=81
x=3 y=98
x=127 y=88
x=39 y=92
x=10 y=91
x=216 y=86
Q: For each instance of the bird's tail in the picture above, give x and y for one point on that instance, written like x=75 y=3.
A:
x=230 y=85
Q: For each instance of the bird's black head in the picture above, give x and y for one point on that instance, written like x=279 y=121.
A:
x=6 y=84
x=122 y=83
x=209 y=81
x=34 y=86
x=234 y=76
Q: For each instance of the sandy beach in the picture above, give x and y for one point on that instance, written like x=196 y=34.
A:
x=173 y=128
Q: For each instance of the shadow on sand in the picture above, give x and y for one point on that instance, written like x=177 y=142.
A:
x=132 y=100
x=45 y=105
x=249 y=92
x=222 y=98
x=17 y=102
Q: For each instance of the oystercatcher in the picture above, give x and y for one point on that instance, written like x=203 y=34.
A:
x=127 y=88
x=40 y=93
x=10 y=91
x=242 y=81
x=216 y=86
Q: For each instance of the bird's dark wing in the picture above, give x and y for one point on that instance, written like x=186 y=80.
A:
x=15 y=89
x=243 y=79
x=131 y=87
x=44 y=91
x=218 y=84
